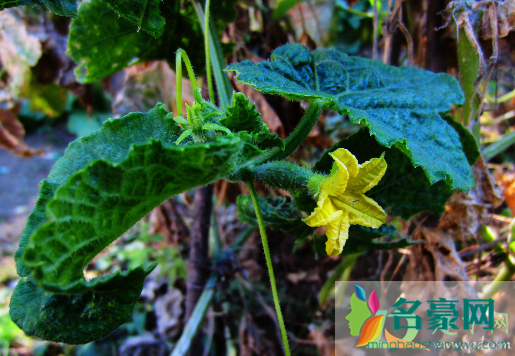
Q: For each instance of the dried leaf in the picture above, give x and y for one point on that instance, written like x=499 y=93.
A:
x=19 y=50
x=506 y=181
x=437 y=258
x=253 y=343
x=11 y=135
x=324 y=345
x=144 y=85
x=464 y=214
x=505 y=19
x=167 y=222
x=168 y=312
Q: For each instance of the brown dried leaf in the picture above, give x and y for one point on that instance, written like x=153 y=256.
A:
x=19 y=50
x=145 y=84
x=310 y=18
x=166 y=221
x=464 y=214
x=324 y=345
x=11 y=135
x=169 y=312
x=505 y=20
x=506 y=181
x=253 y=343
x=436 y=259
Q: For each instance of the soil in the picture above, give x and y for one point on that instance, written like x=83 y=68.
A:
x=19 y=183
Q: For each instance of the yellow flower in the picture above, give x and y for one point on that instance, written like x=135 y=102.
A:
x=341 y=198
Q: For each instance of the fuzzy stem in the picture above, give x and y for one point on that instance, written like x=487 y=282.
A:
x=261 y=224
x=298 y=135
x=208 y=56
x=181 y=56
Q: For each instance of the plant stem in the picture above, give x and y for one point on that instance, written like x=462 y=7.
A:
x=499 y=146
x=223 y=85
x=183 y=345
x=298 y=135
x=505 y=273
x=208 y=56
x=181 y=56
x=261 y=224
x=468 y=72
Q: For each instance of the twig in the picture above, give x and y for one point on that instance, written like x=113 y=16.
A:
x=471 y=251
x=199 y=258
x=374 y=48
x=409 y=41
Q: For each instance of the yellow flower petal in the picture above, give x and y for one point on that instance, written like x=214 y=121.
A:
x=322 y=214
x=336 y=183
x=369 y=174
x=337 y=234
x=341 y=201
x=343 y=157
x=361 y=209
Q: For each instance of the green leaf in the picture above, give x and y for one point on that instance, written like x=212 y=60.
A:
x=58 y=7
x=100 y=202
x=400 y=106
x=467 y=139
x=144 y=14
x=112 y=143
x=118 y=44
x=403 y=189
x=279 y=213
x=105 y=183
x=73 y=318
x=242 y=116
x=108 y=46
x=283 y=6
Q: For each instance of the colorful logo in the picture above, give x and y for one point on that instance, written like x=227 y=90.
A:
x=366 y=320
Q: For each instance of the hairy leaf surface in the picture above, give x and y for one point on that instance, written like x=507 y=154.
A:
x=74 y=318
x=103 y=185
x=400 y=106
x=58 y=7
x=102 y=42
x=144 y=14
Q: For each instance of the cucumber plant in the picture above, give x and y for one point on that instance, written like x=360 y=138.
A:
x=408 y=157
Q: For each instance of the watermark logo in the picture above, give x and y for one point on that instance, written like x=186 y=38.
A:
x=420 y=316
x=366 y=320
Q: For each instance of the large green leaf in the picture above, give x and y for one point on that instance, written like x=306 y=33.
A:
x=400 y=106
x=102 y=42
x=403 y=189
x=74 y=318
x=105 y=183
x=100 y=202
x=59 y=7
x=144 y=14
